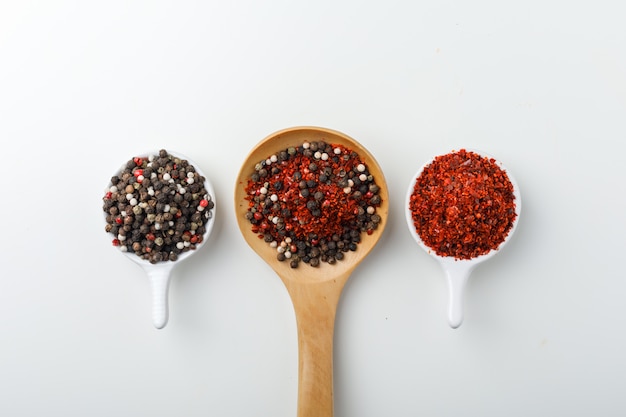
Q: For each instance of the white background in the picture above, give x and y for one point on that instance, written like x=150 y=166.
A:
x=84 y=86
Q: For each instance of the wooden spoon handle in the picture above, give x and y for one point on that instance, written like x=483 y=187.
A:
x=315 y=305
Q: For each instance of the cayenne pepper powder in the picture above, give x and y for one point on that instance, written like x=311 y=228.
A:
x=463 y=205
x=312 y=202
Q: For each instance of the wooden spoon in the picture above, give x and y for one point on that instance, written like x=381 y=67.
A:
x=314 y=291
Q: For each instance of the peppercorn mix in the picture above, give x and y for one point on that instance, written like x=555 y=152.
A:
x=157 y=207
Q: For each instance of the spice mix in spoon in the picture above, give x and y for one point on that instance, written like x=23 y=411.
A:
x=312 y=202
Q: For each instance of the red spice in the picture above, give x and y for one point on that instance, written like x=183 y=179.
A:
x=463 y=205
x=316 y=194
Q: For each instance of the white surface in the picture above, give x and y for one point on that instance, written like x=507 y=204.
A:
x=85 y=85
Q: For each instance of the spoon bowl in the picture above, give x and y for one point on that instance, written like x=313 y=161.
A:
x=457 y=271
x=160 y=273
x=314 y=291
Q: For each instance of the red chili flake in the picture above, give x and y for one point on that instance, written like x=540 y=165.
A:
x=463 y=205
x=310 y=198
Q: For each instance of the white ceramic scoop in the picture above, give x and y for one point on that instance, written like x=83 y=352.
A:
x=458 y=271
x=160 y=273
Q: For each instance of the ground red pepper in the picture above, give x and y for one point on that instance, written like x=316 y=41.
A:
x=463 y=205
x=312 y=202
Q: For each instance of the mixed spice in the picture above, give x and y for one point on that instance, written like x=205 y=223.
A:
x=463 y=205
x=157 y=207
x=312 y=202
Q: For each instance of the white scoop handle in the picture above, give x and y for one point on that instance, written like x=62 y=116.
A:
x=159 y=284
x=457 y=274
